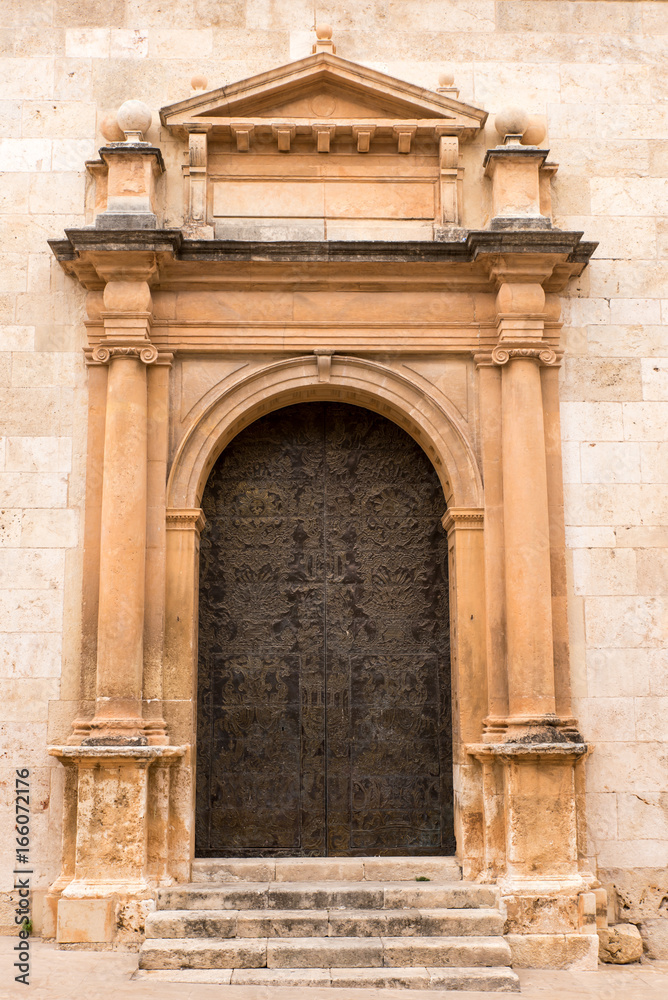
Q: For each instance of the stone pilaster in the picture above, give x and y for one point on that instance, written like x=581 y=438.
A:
x=466 y=575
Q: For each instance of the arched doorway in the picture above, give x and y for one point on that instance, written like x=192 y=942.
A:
x=324 y=715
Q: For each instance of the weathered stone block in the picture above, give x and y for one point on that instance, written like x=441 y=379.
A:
x=179 y=43
x=554 y=951
x=128 y=43
x=316 y=952
x=604 y=571
x=620 y=673
x=651 y=718
x=598 y=380
x=26 y=79
x=655 y=937
x=634 y=196
x=620 y=944
x=534 y=914
x=623 y=621
x=32 y=611
x=86 y=921
x=30 y=654
x=597 y=421
x=69 y=155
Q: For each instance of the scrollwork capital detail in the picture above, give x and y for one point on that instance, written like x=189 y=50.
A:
x=104 y=355
x=543 y=355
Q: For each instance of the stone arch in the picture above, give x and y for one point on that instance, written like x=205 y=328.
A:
x=431 y=422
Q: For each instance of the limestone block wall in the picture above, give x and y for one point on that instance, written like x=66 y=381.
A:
x=597 y=71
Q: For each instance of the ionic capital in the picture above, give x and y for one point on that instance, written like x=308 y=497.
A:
x=542 y=355
x=104 y=355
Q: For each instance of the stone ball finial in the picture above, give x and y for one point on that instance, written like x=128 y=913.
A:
x=323 y=31
x=511 y=121
x=110 y=129
x=535 y=131
x=134 y=117
x=446 y=78
x=198 y=82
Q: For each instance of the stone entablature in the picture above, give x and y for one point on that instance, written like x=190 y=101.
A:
x=191 y=337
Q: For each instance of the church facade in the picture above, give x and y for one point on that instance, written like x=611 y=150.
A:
x=335 y=481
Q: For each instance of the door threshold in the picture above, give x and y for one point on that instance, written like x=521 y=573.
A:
x=398 y=868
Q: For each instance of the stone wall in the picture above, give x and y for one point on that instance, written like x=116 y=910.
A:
x=597 y=71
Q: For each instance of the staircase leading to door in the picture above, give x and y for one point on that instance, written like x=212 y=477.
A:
x=342 y=922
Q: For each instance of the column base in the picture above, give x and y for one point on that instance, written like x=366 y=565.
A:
x=531 y=729
x=126 y=730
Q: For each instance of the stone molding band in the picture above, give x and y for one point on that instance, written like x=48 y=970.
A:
x=463 y=517
x=517 y=752
x=185 y=519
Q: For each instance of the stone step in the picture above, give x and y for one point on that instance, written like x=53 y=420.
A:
x=323 y=952
x=325 y=869
x=489 y=979
x=325 y=923
x=331 y=895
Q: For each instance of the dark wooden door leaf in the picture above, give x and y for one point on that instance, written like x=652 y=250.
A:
x=324 y=715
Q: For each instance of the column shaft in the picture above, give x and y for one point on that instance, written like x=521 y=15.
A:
x=527 y=543
x=123 y=549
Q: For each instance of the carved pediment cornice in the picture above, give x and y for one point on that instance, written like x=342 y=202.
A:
x=324 y=89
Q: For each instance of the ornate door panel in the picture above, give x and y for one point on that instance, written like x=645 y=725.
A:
x=324 y=719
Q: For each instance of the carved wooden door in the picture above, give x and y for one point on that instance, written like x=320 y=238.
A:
x=324 y=717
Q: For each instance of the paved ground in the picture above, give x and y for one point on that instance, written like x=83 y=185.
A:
x=95 y=975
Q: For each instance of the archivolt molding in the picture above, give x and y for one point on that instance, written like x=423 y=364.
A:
x=432 y=423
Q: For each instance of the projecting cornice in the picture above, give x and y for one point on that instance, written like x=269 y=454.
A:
x=557 y=255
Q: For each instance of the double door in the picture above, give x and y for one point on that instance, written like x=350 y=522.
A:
x=324 y=716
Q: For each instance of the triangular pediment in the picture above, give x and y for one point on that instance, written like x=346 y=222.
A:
x=324 y=87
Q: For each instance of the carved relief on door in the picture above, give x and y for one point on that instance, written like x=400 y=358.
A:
x=324 y=716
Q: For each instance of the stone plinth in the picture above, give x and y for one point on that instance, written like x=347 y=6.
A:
x=515 y=174
x=540 y=811
x=132 y=171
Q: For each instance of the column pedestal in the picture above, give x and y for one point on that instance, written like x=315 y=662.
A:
x=531 y=852
x=111 y=890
